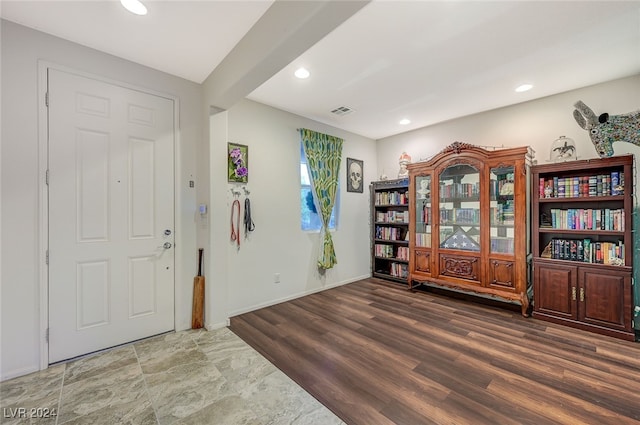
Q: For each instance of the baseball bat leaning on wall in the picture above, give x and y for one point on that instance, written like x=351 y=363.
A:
x=197 y=313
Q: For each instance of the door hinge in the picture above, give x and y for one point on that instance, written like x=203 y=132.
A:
x=46 y=335
x=47 y=257
x=46 y=99
x=46 y=177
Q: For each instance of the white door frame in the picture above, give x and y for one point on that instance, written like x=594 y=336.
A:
x=43 y=207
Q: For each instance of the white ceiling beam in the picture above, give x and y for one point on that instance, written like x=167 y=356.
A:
x=285 y=31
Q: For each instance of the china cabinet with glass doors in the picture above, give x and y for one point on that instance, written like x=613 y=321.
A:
x=469 y=222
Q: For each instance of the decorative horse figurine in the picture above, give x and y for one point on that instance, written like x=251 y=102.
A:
x=565 y=151
x=607 y=129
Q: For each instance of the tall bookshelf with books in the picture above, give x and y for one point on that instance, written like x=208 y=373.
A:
x=390 y=224
x=582 y=244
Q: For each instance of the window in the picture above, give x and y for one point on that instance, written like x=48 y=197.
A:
x=309 y=217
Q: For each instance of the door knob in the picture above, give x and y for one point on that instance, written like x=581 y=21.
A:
x=167 y=232
x=165 y=245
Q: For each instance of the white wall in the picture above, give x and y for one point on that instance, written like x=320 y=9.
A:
x=536 y=123
x=219 y=217
x=278 y=245
x=22 y=48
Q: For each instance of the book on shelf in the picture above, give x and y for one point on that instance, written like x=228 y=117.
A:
x=398 y=217
x=580 y=250
x=545 y=220
x=573 y=250
x=383 y=251
x=502 y=245
x=392 y=198
x=460 y=216
x=390 y=233
x=403 y=253
x=399 y=270
x=561 y=191
x=585 y=250
x=615 y=183
x=459 y=190
x=586 y=219
x=423 y=240
x=610 y=184
x=426 y=214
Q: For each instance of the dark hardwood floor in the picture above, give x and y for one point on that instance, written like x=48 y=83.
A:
x=375 y=353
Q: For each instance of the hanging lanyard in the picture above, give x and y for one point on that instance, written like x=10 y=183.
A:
x=235 y=230
x=248 y=222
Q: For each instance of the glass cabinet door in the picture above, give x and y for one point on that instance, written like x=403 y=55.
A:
x=502 y=201
x=459 y=205
x=423 y=211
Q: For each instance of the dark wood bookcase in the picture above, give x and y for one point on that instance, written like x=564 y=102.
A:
x=390 y=224
x=469 y=222
x=582 y=244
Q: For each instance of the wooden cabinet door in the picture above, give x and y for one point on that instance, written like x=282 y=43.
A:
x=605 y=298
x=555 y=289
x=423 y=261
x=502 y=275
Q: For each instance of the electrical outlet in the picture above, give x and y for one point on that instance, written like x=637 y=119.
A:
x=276 y=278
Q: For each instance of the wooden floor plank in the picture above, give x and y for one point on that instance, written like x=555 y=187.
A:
x=375 y=353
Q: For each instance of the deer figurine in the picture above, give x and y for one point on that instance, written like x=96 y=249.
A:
x=607 y=129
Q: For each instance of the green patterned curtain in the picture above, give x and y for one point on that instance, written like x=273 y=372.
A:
x=323 y=154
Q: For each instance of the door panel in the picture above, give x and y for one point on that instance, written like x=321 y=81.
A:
x=602 y=298
x=141 y=190
x=502 y=274
x=111 y=163
x=555 y=289
x=423 y=261
x=92 y=294
x=92 y=181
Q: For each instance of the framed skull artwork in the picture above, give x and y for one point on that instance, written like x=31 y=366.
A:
x=355 y=169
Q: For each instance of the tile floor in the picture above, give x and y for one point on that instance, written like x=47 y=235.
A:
x=190 y=377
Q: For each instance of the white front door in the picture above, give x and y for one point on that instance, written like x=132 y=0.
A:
x=111 y=215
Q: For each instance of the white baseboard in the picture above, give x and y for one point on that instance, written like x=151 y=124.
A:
x=294 y=296
x=217 y=325
x=18 y=372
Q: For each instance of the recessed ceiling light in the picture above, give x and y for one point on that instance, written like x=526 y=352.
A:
x=404 y=121
x=302 y=73
x=134 y=6
x=524 y=87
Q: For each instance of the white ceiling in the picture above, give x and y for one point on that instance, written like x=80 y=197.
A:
x=428 y=61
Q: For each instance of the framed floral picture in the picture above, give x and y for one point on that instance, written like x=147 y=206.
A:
x=238 y=163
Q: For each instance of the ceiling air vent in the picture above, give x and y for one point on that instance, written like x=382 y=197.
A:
x=342 y=110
